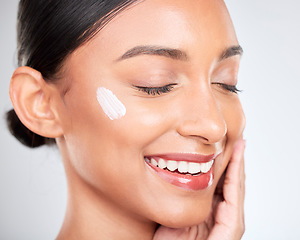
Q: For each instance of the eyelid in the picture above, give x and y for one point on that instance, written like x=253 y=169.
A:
x=156 y=90
x=228 y=87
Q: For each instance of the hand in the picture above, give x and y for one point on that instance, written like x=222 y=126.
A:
x=226 y=221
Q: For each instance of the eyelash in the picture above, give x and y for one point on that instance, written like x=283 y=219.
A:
x=165 y=89
x=156 y=90
x=230 y=88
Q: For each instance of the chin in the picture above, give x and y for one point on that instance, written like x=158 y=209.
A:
x=186 y=216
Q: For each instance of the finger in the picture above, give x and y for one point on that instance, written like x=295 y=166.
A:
x=229 y=218
x=234 y=179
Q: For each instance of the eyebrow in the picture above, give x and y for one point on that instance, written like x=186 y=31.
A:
x=172 y=53
x=232 y=51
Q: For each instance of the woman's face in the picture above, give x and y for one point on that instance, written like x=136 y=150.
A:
x=172 y=65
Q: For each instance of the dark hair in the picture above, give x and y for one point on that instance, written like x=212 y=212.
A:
x=48 y=31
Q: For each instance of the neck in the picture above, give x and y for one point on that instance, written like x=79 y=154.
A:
x=91 y=216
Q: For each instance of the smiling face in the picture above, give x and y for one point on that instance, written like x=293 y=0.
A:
x=173 y=66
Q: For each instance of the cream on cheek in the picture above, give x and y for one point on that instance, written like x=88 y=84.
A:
x=110 y=104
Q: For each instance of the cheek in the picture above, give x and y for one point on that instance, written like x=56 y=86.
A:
x=110 y=104
x=144 y=122
x=96 y=135
x=235 y=119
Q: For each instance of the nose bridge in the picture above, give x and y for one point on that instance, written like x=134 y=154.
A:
x=203 y=117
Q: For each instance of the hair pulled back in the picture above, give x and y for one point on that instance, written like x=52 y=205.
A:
x=47 y=32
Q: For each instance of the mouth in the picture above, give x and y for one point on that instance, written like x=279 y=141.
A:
x=186 y=171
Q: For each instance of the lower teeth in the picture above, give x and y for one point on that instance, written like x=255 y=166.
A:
x=176 y=171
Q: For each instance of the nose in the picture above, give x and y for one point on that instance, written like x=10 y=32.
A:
x=202 y=118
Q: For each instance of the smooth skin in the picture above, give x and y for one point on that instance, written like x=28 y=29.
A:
x=226 y=220
x=112 y=193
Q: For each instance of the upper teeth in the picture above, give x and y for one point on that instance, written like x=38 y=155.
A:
x=182 y=166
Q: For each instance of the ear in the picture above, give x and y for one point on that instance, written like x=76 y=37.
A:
x=34 y=102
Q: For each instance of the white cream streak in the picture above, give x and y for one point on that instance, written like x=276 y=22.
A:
x=110 y=104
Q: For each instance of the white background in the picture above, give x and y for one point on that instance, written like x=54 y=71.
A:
x=32 y=182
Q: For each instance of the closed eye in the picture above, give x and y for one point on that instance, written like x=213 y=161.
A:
x=156 y=90
x=227 y=87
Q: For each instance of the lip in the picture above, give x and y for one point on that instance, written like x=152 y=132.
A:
x=185 y=181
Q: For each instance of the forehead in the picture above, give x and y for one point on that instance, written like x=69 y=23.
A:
x=191 y=25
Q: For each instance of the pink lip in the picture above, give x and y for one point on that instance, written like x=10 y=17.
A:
x=185 y=181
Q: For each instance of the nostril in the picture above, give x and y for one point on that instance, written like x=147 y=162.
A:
x=208 y=130
x=203 y=138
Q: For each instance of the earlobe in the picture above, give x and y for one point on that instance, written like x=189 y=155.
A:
x=33 y=101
